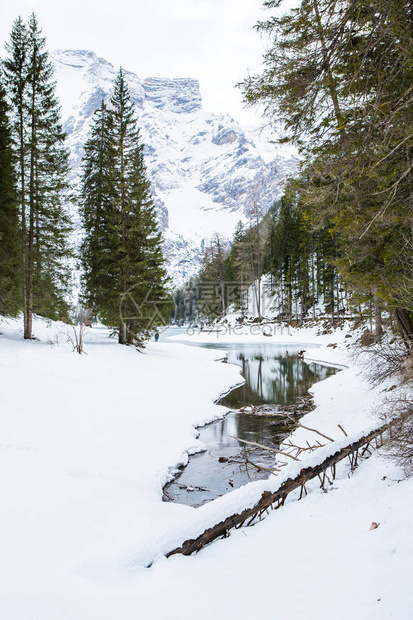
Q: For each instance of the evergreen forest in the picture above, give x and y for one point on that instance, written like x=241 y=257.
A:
x=338 y=77
x=123 y=268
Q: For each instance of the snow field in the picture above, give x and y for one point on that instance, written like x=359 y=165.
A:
x=86 y=445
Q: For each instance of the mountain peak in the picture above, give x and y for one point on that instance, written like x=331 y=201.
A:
x=76 y=59
x=206 y=172
x=177 y=95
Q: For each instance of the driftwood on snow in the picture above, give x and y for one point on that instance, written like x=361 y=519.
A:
x=274 y=500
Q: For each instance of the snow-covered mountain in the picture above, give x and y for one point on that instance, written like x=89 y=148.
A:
x=206 y=171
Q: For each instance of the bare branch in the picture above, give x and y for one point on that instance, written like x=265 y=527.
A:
x=258 y=445
x=313 y=430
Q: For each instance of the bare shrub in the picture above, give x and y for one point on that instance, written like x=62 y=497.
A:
x=384 y=359
x=367 y=339
x=399 y=446
x=76 y=331
x=384 y=362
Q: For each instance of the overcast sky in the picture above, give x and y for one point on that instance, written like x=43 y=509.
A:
x=212 y=40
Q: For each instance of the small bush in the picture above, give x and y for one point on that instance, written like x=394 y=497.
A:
x=399 y=447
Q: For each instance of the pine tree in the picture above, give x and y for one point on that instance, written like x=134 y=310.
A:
x=301 y=69
x=125 y=139
x=99 y=214
x=340 y=76
x=16 y=75
x=214 y=279
x=10 y=237
x=125 y=278
x=143 y=266
x=241 y=265
x=256 y=255
x=42 y=174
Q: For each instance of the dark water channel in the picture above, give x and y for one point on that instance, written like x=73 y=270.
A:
x=273 y=376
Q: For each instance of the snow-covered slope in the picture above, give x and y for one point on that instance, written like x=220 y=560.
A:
x=206 y=171
x=83 y=465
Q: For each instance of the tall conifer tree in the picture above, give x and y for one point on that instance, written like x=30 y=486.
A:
x=42 y=173
x=145 y=264
x=10 y=240
x=16 y=75
x=125 y=140
x=121 y=255
x=99 y=213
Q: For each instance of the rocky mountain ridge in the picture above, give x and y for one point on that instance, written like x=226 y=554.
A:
x=207 y=172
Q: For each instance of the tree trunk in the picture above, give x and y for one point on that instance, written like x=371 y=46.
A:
x=290 y=300
x=27 y=329
x=258 y=270
x=122 y=334
x=338 y=299
x=405 y=325
x=221 y=277
x=377 y=315
x=332 y=301
x=130 y=333
x=277 y=498
x=30 y=252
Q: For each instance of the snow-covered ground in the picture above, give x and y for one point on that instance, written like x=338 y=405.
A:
x=86 y=445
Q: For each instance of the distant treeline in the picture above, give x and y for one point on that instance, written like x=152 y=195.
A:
x=301 y=263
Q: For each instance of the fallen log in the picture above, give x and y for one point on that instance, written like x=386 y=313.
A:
x=277 y=498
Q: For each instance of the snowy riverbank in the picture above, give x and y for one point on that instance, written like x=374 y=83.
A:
x=87 y=443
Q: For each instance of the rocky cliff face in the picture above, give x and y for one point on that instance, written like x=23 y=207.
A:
x=206 y=171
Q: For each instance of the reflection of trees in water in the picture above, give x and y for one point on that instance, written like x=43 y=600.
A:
x=273 y=379
x=270 y=378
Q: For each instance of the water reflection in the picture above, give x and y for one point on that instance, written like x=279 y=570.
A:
x=272 y=376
